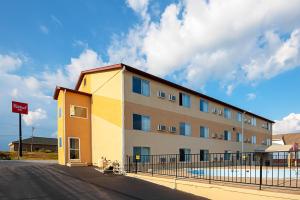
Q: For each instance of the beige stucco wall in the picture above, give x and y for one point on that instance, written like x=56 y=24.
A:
x=106 y=90
x=163 y=111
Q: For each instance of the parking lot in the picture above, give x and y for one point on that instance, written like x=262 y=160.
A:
x=47 y=180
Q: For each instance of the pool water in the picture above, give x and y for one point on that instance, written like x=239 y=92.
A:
x=266 y=173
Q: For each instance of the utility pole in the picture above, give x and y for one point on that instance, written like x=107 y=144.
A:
x=20 y=136
x=32 y=130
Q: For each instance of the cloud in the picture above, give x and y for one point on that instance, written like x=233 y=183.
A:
x=251 y=96
x=9 y=63
x=209 y=40
x=288 y=124
x=34 y=116
x=44 y=29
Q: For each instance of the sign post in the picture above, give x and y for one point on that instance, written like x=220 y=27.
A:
x=21 y=108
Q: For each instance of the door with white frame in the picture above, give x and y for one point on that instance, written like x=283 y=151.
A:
x=74 y=149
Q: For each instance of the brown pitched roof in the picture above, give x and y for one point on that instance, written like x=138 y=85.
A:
x=291 y=138
x=150 y=76
x=58 y=88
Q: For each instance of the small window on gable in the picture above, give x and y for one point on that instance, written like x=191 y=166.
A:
x=77 y=111
x=84 y=82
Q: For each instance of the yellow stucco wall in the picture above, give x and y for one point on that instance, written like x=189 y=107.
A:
x=60 y=128
x=106 y=90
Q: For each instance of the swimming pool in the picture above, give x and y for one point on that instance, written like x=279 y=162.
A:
x=247 y=173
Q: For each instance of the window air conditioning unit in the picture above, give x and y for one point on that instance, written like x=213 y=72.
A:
x=161 y=94
x=172 y=97
x=214 y=110
x=161 y=127
x=172 y=129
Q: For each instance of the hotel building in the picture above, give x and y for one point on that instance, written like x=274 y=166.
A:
x=117 y=111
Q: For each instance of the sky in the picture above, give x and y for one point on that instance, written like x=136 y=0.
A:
x=246 y=53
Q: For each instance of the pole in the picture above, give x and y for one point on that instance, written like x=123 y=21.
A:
x=260 y=170
x=32 y=130
x=243 y=132
x=20 y=135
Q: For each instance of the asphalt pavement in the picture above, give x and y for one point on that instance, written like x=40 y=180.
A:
x=48 y=180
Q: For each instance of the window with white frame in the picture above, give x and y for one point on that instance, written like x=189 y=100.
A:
x=140 y=86
x=203 y=105
x=239 y=137
x=141 y=122
x=74 y=148
x=78 y=111
x=253 y=139
x=227 y=113
x=184 y=100
x=227 y=135
x=253 y=121
x=204 y=132
x=268 y=141
x=143 y=152
x=185 y=129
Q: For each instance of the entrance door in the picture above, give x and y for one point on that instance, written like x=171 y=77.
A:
x=74 y=148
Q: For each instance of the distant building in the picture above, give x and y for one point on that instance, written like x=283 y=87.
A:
x=36 y=144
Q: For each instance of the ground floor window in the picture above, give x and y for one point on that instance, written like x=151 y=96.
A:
x=74 y=147
x=204 y=155
x=227 y=155
x=143 y=152
x=184 y=154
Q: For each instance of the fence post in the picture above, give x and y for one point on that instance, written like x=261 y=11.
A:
x=176 y=165
x=209 y=165
x=129 y=164
x=260 y=170
x=136 y=165
x=151 y=164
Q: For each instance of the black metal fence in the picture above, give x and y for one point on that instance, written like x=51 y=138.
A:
x=279 y=169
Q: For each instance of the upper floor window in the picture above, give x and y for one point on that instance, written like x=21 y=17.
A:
x=204 y=132
x=227 y=135
x=203 y=105
x=140 y=86
x=141 y=122
x=269 y=126
x=239 y=137
x=253 y=121
x=227 y=113
x=185 y=129
x=184 y=100
x=253 y=139
x=239 y=117
x=268 y=142
x=78 y=111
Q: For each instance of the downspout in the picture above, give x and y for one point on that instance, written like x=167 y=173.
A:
x=123 y=121
x=64 y=118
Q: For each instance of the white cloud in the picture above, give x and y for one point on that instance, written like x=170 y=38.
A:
x=34 y=116
x=288 y=124
x=9 y=63
x=215 y=41
x=139 y=6
x=44 y=29
x=251 y=96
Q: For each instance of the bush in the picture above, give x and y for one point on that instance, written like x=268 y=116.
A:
x=4 y=156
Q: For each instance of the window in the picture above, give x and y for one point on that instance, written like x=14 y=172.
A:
x=227 y=155
x=144 y=152
x=185 y=129
x=184 y=155
x=203 y=105
x=78 y=111
x=268 y=142
x=204 y=155
x=59 y=142
x=269 y=126
x=238 y=154
x=239 y=117
x=84 y=82
x=253 y=139
x=204 y=132
x=227 y=113
x=227 y=135
x=253 y=121
x=74 y=149
x=239 y=137
x=184 y=100
x=59 y=112
x=140 y=86
x=141 y=122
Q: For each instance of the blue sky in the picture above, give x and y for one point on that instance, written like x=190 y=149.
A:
x=247 y=54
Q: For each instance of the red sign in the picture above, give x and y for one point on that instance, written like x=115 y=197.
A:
x=18 y=107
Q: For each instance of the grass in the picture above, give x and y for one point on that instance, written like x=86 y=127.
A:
x=28 y=156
